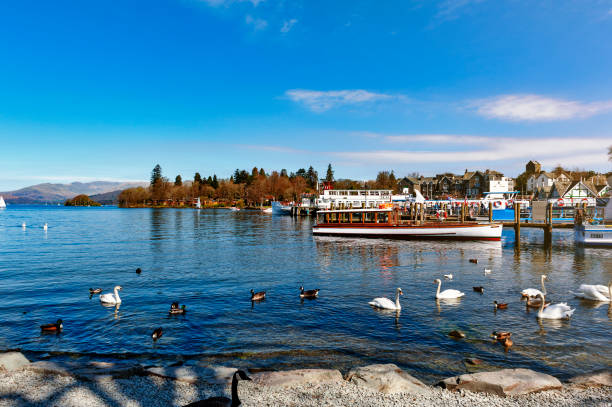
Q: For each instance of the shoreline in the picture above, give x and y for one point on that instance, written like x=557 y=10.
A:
x=24 y=383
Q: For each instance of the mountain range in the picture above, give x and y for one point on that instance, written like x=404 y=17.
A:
x=58 y=193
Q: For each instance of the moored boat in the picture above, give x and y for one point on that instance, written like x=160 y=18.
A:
x=394 y=223
x=594 y=233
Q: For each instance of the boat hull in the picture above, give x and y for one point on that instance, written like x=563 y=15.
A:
x=491 y=232
x=593 y=235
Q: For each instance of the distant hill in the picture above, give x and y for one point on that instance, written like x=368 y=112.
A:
x=107 y=198
x=58 y=193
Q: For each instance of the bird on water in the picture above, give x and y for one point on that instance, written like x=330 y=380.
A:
x=258 y=296
x=309 y=293
x=56 y=327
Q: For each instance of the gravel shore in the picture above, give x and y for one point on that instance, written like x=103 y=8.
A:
x=29 y=388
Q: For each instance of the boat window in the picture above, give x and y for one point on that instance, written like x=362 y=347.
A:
x=357 y=217
x=383 y=217
x=368 y=217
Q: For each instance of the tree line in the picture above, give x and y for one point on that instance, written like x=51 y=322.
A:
x=250 y=188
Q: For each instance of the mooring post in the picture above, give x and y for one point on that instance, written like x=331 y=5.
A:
x=422 y=212
x=517 y=223
x=549 y=225
x=490 y=211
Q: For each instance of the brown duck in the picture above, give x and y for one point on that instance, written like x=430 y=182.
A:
x=309 y=293
x=258 y=296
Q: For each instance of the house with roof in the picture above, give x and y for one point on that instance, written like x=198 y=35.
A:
x=545 y=180
x=473 y=184
x=410 y=184
x=573 y=192
x=533 y=167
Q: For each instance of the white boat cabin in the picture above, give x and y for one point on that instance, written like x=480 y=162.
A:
x=348 y=199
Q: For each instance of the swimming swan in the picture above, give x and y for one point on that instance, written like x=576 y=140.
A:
x=386 y=303
x=532 y=292
x=554 y=311
x=595 y=292
x=447 y=293
x=111 y=298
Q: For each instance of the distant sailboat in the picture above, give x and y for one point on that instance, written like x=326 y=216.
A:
x=2 y=203
x=198 y=204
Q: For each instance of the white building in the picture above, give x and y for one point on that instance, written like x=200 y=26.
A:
x=544 y=180
x=346 y=199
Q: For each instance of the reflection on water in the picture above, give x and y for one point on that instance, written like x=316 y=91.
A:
x=210 y=260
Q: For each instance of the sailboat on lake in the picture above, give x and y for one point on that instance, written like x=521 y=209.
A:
x=2 y=203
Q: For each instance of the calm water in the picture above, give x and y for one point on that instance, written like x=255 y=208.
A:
x=210 y=260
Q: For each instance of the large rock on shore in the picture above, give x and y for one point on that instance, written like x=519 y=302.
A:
x=385 y=378
x=193 y=374
x=289 y=378
x=88 y=371
x=13 y=361
x=593 y=379
x=506 y=382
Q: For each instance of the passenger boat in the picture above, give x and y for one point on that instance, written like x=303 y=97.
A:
x=280 y=209
x=591 y=233
x=394 y=223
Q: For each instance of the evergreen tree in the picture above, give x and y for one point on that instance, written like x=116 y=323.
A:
x=156 y=174
x=254 y=172
x=178 y=181
x=197 y=178
x=209 y=180
x=312 y=177
x=262 y=172
x=215 y=182
x=283 y=173
x=329 y=176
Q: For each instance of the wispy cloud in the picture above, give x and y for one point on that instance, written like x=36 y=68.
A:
x=320 y=101
x=288 y=25
x=217 y=3
x=529 y=107
x=436 y=138
x=490 y=149
x=257 y=23
x=451 y=9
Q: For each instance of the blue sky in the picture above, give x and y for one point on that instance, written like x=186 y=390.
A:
x=105 y=90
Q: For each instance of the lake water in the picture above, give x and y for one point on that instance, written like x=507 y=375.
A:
x=209 y=260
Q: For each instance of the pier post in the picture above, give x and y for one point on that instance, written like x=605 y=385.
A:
x=422 y=213
x=490 y=211
x=549 y=225
x=517 y=223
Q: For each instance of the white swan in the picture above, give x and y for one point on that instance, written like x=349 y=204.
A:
x=532 y=292
x=386 y=303
x=447 y=293
x=448 y=276
x=111 y=298
x=596 y=292
x=554 y=311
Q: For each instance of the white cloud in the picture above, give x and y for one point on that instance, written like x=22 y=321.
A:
x=288 y=25
x=436 y=138
x=526 y=107
x=320 y=101
x=568 y=151
x=257 y=23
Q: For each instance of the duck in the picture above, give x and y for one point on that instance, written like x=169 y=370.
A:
x=258 y=296
x=56 y=327
x=500 y=336
x=448 y=276
x=479 y=289
x=385 y=303
x=138 y=270
x=595 y=292
x=177 y=310
x=157 y=333
x=499 y=305
x=456 y=334
x=532 y=292
x=475 y=261
x=224 y=401
x=308 y=293
x=507 y=343
x=535 y=303
x=111 y=298
x=554 y=311
x=93 y=291
x=447 y=294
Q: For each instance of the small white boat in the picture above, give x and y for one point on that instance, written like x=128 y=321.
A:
x=280 y=209
x=234 y=209
x=267 y=210
x=2 y=203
